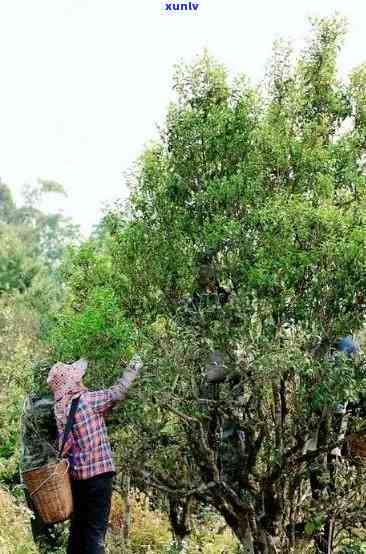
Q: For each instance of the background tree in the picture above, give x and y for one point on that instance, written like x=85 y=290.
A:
x=31 y=245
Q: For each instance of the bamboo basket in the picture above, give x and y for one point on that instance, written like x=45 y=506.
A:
x=356 y=444
x=50 y=489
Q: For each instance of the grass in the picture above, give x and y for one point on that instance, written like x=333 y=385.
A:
x=15 y=532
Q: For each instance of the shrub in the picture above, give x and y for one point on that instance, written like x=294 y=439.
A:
x=150 y=534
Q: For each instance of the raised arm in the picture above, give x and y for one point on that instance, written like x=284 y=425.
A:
x=103 y=400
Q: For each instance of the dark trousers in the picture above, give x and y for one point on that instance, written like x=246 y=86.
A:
x=92 y=504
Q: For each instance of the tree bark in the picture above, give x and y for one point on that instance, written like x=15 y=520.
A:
x=180 y=518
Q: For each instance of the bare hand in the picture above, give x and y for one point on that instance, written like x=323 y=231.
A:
x=136 y=363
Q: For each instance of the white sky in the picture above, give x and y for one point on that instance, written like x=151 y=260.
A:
x=83 y=83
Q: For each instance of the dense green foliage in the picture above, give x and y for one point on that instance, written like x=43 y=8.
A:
x=238 y=263
x=32 y=243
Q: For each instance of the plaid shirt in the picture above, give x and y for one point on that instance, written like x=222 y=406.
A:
x=88 y=447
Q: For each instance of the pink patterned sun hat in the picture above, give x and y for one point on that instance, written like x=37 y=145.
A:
x=64 y=378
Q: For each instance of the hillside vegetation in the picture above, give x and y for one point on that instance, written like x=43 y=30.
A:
x=15 y=533
x=235 y=268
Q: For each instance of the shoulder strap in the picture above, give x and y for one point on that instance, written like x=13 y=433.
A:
x=70 y=421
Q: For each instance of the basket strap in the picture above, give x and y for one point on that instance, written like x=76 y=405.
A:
x=49 y=477
x=69 y=422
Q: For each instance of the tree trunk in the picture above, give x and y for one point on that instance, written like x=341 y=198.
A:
x=180 y=518
x=253 y=541
x=324 y=542
x=127 y=514
x=266 y=543
x=247 y=546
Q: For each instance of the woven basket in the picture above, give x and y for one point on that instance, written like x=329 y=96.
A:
x=50 y=489
x=356 y=443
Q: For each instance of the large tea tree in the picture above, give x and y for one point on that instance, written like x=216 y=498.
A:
x=242 y=260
